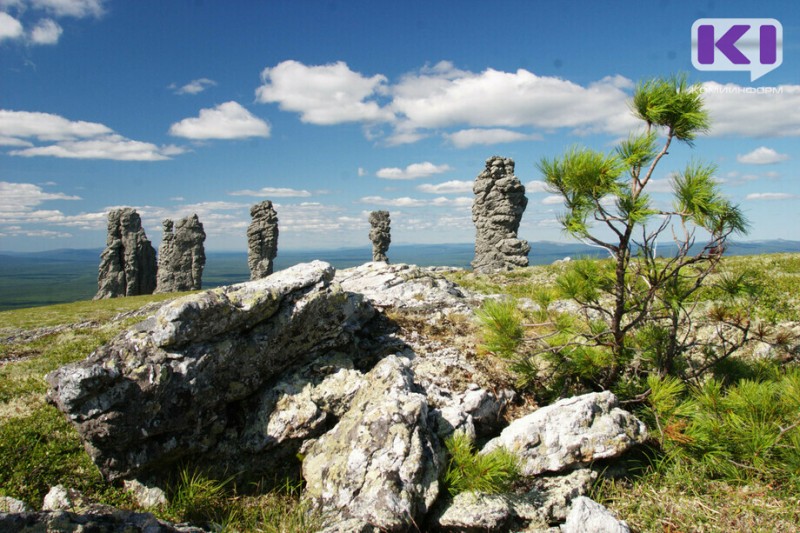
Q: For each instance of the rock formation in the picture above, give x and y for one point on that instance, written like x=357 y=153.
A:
x=303 y=364
x=262 y=239
x=181 y=256
x=380 y=235
x=128 y=263
x=497 y=211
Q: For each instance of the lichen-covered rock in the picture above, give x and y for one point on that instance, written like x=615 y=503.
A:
x=13 y=505
x=262 y=239
x=101 y=519
x=380 y=235
x=474 y=511
x=588 y=515
x=497 y=211
x=181 y=256
x=379 y=464
x=403 y=287
x=570 y=433
x=146 y=497
x=174 y=385
x=128 y=263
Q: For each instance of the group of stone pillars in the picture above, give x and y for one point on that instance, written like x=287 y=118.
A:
x=128 y=263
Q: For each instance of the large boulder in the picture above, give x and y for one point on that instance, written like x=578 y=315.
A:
x=380 y=235
x=570 y=433
x=379 y=464
x=176 y=385
x=262 y=240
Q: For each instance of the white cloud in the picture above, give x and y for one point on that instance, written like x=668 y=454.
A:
x=761 y=156
x=536 y=186
x=46 y=31
x=71 y=8
x=195 y=86
x=325 y=94
x=46 y=126
x=406 y=201
x=748 y=112
x=448 y=187
x=114 y=147
x=552 y=200
x=273 y=192
x=226 y=121
x=23 y=196
x=413 y=171
x=444 y=96
x=486 y=136
x=770 y=196
x=362 y=171
x=10 y=28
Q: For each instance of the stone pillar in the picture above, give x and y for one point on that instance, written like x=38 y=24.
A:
x=262 y=240
x=128 y=263
x=497 y=211
x=181 y=256
x=380 y=235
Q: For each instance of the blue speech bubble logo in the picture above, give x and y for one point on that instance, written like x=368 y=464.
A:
x=754 y=45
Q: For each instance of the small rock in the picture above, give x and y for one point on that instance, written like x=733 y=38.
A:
x=570 y=433
x=589 y=516
x=146 y=497
x=12 y=505
x=470 y=510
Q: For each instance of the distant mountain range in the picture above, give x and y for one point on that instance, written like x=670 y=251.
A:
x=29 y=279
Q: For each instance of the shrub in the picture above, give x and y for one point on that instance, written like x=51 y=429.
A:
x=489 y=473
x=501 y=327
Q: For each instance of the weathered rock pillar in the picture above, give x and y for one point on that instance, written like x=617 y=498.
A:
x=181 y=256
x=497 y=211
x=128 y=263
x=262 y=239
x=380 y=235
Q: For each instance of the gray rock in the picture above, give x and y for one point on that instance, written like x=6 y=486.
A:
x=13 y=505
x=475 y=511
x=403 y=287
x=589 y=516
x=547 y=502
x=497 y=211
x=128 y=263
x=570 y=433
x=262 y=239
x=61 y=498
x=146 y=497
x=181 y=256
x=379 y=463
x=171 y=386
x=99 y=519
x=380 y=235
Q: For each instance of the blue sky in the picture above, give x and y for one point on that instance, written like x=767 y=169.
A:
x=332 y=109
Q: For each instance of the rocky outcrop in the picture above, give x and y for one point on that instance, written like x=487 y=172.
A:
x=497 y=211
x=171 y=386
x=262 y=239
x=380 y=235
x=380 y=463
x=128 y=263
x=570 y=433
x=181 y=256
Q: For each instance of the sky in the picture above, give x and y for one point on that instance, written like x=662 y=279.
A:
x=331 y=109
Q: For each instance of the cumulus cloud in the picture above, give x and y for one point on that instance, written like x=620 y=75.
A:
x=325 y=94
x=486 y=136
x=770 y=196
x=761 y=156
x=226 y=121
x=552 y=200
x=406 y=201
x=19 y=208
x=21 y=196
x=412 y=171
x=10 y=28
x=448 y=187
x=71 y=8
x=745 y=111
x=46 y=31
x=273 y=192
x=194 y=87
x=536 y=186
x=60 y=137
